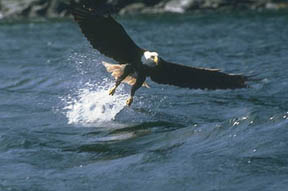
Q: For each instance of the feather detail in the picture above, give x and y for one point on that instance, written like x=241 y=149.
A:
x=116 y=71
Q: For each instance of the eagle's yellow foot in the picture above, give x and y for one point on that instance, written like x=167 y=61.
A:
x=112 y=91
x=129 y=101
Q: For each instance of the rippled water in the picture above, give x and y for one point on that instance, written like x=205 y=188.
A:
x=59 y=130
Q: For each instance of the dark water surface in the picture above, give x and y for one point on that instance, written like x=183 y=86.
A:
x=59 y=130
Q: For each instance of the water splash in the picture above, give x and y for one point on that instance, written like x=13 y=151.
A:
x=93 y=105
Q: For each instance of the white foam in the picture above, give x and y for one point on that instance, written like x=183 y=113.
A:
x=92 y=105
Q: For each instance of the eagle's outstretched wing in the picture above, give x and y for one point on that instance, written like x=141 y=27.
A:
x=106 y=35
x=195 y=78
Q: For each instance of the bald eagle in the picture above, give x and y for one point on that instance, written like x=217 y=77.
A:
x=135 y=64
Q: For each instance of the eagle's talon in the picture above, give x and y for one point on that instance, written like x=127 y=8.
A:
x=112 y=91
x=129 y=101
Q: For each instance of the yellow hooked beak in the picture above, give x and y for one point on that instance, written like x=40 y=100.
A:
x=156 y=59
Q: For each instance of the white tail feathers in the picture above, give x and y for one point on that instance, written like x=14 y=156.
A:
x=117 y=70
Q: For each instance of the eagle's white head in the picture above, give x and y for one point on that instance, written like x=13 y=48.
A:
x=150 y=59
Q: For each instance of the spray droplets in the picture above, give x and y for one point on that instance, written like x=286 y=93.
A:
x=94 y=106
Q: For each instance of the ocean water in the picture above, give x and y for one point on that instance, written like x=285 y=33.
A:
x=60 y=130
